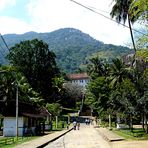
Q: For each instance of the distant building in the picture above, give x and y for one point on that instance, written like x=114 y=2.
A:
x=80 y=78
x=31 y=119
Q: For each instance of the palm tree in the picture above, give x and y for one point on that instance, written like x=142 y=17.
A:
x=118 y=72
x=6 y=79
x=120 y=11
x=98 y=67
x=139 y=7
x=140 y=81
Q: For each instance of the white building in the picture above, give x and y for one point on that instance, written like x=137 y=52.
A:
x=80 y=78
x=9 y=129
x=30 y=120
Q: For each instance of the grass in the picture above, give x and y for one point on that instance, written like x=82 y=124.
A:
x=136 y=134
x=9 y=142
x=13 y=141
x=59 y=126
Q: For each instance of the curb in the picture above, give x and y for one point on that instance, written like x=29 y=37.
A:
x=43 y=145
x=110 y=139
x=104 y=137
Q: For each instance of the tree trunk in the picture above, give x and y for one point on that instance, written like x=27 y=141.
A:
x=131 y=122
x=143 y=121
x=146 y=125
x=132 y=37
x=110 y=127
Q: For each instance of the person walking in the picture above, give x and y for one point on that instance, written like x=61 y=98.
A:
x=74 y=124
x=86 y=121
x=78 y=125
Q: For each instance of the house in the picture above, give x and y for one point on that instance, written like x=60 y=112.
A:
x=80 y=78
x=31 y=119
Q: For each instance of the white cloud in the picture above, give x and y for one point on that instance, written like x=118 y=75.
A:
x=49 y=15
x=13 y=25
x=6 y=3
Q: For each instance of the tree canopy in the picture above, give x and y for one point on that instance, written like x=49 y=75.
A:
x=38 y=65
x=117 y=89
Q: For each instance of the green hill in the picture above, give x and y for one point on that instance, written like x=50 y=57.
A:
x=71 y=46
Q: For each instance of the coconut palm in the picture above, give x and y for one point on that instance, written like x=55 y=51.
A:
x=6 y=79
x=118 y=72
x=98 y=67
x=139 y=9
x=120 y=11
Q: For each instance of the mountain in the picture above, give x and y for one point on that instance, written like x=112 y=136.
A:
x=72 y=47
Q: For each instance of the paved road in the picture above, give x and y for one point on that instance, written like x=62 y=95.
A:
x=86 y=137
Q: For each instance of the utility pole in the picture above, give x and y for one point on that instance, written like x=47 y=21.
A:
x=16 y=111
x=109 y=122
x=56 y=122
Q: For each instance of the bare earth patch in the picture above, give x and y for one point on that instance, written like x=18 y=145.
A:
x=130 y=144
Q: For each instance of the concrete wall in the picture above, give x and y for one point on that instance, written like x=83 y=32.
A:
x=82 y=82
x=10 y=126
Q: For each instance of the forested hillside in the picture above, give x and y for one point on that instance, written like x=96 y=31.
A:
x=72 y=47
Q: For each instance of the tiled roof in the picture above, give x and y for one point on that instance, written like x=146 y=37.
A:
x=25 y=109
x=78 y=76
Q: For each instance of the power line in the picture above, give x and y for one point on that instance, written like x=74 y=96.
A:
x=87 y=7
x=91 y=7
x=4 y=42
x=2 y=46
x=107 y=12
x=1 y=51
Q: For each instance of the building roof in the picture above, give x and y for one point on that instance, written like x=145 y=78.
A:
x=78 y=76
x=25 y=109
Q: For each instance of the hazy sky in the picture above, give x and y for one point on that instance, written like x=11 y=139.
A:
x=20 y=16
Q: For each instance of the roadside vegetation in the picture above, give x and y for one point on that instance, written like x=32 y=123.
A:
x=118 y=89
x=8 y=142
x=136 y=134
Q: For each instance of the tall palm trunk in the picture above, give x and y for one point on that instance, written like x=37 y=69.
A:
x=146 y=125
x=132 y=37
x=130 y=122
x=143 y=115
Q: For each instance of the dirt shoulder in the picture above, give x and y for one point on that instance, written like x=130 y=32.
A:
x=130 y=144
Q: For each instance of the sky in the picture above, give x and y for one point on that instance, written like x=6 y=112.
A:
x=20 y=16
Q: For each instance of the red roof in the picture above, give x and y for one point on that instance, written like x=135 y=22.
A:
x=78 y=76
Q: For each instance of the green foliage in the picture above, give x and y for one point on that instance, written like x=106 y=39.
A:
x=9 y=142
x=136 y=134
x=7 y=89
x=98 y=89
x=120 y=10
x=117 y=89
x=118 y=72
x=142 y=39
x=143 y=54
x=97 y=67
x=139 y=10
x=128 y=97
x=54 y=108
x=37 y=63
x=10 y=80
x=71 y=47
